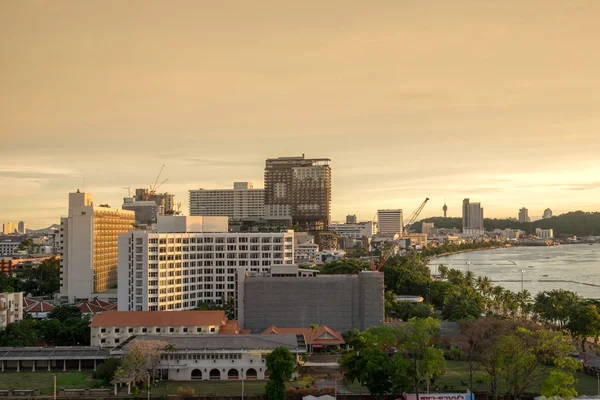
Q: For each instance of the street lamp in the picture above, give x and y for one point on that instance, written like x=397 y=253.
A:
x=522 y=271
x=54 y=378
x=468 y=266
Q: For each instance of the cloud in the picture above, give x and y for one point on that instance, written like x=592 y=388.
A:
x=35 y=173
x=584 y=186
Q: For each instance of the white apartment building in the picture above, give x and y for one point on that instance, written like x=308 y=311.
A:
x=544 y=233
x=11 y=308
x=88 y=246
x=390 y=222
x=174 y=271
x=9 y=247
x=243 y=201
x=355 y=231
x=109 y=329
x=306 y=253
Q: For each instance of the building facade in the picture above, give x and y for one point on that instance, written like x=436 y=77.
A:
x=301 y=188
x=355 y=230
x=11 y=308
x=243 y=201
x=89 y=246
x=9 y=247
x=148 y=205
x=176 y=271
x=472 y=219
x=426 y=228
x=524 y=215
x=547 y=213
x=390 y=222
x=22 y=227
x=351 y=219
x=109 y=329
x=544 y=233
x=8 y=228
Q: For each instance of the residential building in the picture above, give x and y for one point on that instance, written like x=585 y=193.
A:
x=317 y=339
x=22 y=227
x=11 y=308
x=37 y=309
x=148 y=205
x=544 y=233
x=218 y=357
x=355 y=230
x=524 y=215
x=342 y=302
x=547 y=213
x=472 y=218
x=306 y=253
x=9 y=246
x=109 y=329
x=8 y=228
x=89 y=245
x=390 y=222
x=243 y=201
x=177 y=270
x=426 y=228
x=301 y=188
x=351 y=219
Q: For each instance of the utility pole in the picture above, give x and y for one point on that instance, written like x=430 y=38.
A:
x=148 y=386
x=54 y=378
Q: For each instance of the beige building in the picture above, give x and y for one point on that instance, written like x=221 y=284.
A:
x=89 y=246
x=390 y=222
x=11 y=308
x=109 y=329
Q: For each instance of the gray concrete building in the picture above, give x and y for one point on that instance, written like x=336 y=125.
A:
x=342 y=302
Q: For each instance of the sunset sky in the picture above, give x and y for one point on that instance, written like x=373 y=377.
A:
x=498 y=101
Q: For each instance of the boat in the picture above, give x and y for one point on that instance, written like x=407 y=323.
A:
x=544 y=276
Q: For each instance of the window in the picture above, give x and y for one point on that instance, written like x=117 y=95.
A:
x=144 y=330
x=171 y=330
x=103 y=330
x=212 y=329
x=117 y=330
x=185 y=330
x=198 y=330
x=157 y=330
x=117 y=341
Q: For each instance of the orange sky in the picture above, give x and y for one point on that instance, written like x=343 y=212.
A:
x=498 y=101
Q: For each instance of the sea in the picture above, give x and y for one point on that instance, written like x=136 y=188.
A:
x=574 y=267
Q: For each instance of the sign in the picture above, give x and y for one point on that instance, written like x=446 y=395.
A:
x=439 y=396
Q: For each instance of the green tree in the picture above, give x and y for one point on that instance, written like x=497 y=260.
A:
x=281 y=363
x=584 y=322
x=106 y=371
x=559 y=384
x=65 y=312
x=554 y=307
x=19 y=334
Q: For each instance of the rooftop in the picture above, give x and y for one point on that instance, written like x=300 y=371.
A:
x=323 y=334
x=160 y=318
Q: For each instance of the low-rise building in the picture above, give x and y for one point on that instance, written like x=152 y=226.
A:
x=8 y=247
x=218 y=357
x=316 y=339
x=355 y=230
x=37 y=309
x=306 y=253
x=109 y=329
x=11 y=308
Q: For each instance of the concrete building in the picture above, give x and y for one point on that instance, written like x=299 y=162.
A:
x=351 y=219
x=89 y=245
x=342 y=302
x=109 y=329
x=243 y=201
x=22 y=227
x=547 y=213
x=8 y=228
x=301 y=188
x=148 y=205
x=426 y=228
x=390 y=222
x=11 y=308
x=354 y=230
x=544 y=233
x=177 y=270
x=218 y=357
x=472 y=218
x=9 y=246
x=524 y=215
x=306 y=253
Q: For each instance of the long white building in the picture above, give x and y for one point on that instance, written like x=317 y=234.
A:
x=174 y=271
x=355 y=231
x=88 y=246
x=243 y=201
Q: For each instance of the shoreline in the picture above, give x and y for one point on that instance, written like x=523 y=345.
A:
x=463 y=251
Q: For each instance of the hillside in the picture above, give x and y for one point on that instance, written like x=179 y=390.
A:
x=577 y=223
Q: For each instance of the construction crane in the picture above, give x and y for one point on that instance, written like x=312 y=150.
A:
x=154 y=186
x=405 y=229
x=159 y=185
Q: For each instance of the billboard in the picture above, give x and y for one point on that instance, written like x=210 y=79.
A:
x=439 y=396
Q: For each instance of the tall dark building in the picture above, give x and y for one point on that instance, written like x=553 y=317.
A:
x=301 y=188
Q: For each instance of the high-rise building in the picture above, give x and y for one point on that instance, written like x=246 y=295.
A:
x=148 y=205
x=243 y=201
x=524 y=215
x=547 y=213
x=351 y=219
x=390 y=222
x=8 y=228
x=472 y=215
x=301 y=188
x=22 y=227
x=176 y=271
x=89 y=245
x=426 y=227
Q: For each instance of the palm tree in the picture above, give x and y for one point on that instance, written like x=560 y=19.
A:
x=469 y=278
x=484 y=284
x=169 y=348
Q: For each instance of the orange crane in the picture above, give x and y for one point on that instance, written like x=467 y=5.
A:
x=405 y=229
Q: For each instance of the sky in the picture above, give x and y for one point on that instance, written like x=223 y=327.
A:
x=498 y=101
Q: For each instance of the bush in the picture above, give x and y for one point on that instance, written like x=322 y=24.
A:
x=186 y=391
x=134 y=390
x=106 y=370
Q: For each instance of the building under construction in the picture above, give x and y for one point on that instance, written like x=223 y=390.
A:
x=148 y=205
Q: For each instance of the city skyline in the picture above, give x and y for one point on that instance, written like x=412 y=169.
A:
x=492 y=101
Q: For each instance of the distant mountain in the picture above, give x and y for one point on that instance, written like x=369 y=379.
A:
x=43 y=230
x=578 y=223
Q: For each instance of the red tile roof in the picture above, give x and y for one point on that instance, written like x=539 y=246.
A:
x=95 y=306
x=160 y=318
x=32 y=306
x=231 y=327
x=323 y=334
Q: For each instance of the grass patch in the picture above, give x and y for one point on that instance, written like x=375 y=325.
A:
x=44 y=382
